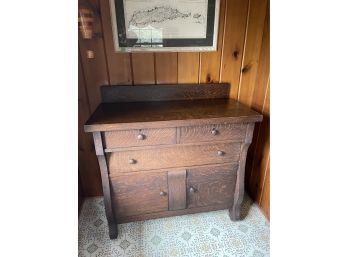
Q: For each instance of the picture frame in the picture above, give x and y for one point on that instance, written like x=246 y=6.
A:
x=165 y=25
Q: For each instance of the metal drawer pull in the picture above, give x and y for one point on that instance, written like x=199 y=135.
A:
x=141 y=137
x=163 y=193
x=132 y=161
x=220 y=153
x=192 y=190
x=214 y=131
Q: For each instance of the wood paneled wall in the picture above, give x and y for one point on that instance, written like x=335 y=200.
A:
x=242 y=59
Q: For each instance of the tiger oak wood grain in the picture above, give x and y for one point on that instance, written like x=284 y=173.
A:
x=171 y=157
x=140 y=115
x=139 y=194
x=197 y=170
x=139 y=137
x=119 y=68
x=176 y=190
x=211 y=186
x=164 y=92
x=234 y=211
x=213 y=133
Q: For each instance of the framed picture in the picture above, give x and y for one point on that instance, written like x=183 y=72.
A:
x=165 y=25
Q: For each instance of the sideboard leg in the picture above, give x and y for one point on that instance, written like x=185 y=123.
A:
x=106 y=185
x=234 y=211
x=113 y=233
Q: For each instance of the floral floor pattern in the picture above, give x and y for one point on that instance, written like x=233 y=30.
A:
x=209 y=234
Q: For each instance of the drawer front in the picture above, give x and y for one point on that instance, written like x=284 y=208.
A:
x=211 y=186
x=175 y=156
x=139 y=137
x=138 y=194
x=213 y=132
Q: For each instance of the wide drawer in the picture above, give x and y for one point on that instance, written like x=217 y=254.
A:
x=139 y=193
x=211 y=185
x=213 y=132
x=139 y=137
x=173 y=156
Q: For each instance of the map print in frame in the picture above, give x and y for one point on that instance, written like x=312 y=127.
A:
x=165 y=25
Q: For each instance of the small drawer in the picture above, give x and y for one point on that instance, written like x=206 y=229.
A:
x=173 y=156
x=211 y=185
x=230 y=131
x=139 y=137
x=139 y=193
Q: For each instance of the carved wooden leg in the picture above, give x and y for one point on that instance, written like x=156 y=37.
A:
x=234 y=211
x=106 y=185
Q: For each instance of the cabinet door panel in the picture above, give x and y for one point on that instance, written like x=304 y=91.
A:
x=211 y=186
x=138 y=194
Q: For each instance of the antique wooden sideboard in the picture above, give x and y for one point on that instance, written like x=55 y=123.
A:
x=167 y=150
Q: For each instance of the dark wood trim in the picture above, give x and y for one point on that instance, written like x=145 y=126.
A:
x=111 y=176
x=148 y=147
x=106 y=185
x=149 y=93
x=234 y=211
x=164 y=214
x=170 y=123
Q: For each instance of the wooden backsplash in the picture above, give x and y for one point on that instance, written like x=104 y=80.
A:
x=242 y=59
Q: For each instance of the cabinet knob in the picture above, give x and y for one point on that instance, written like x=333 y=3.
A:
x=141 y=137
x=220 y=153
x=163 y=193
x=192 y=190
x=214 y=131
x=132 y=161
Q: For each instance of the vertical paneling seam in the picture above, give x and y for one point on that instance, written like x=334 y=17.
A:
x=258 y=134
x=263 y=181
x=258 y=62
x=131 y=67
x=103 y=38
x=154 y=68
x=223 y=41
x=84 y=79
x=265 y=97
x=244 y=47
x=199 y=67
x=177 y=67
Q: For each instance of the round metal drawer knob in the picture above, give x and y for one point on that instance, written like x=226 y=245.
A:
x=214 y=132
x=141 y=137
x=132 y=161
x=163 y=193
x=192 y=190
x=220 y=153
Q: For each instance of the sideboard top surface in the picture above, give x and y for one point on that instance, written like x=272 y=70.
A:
x=137 y=115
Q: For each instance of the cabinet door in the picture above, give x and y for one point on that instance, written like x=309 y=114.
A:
x=210 y=186
x=140 y=193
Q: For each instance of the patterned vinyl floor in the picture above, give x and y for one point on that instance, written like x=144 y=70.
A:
x=197 y=235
